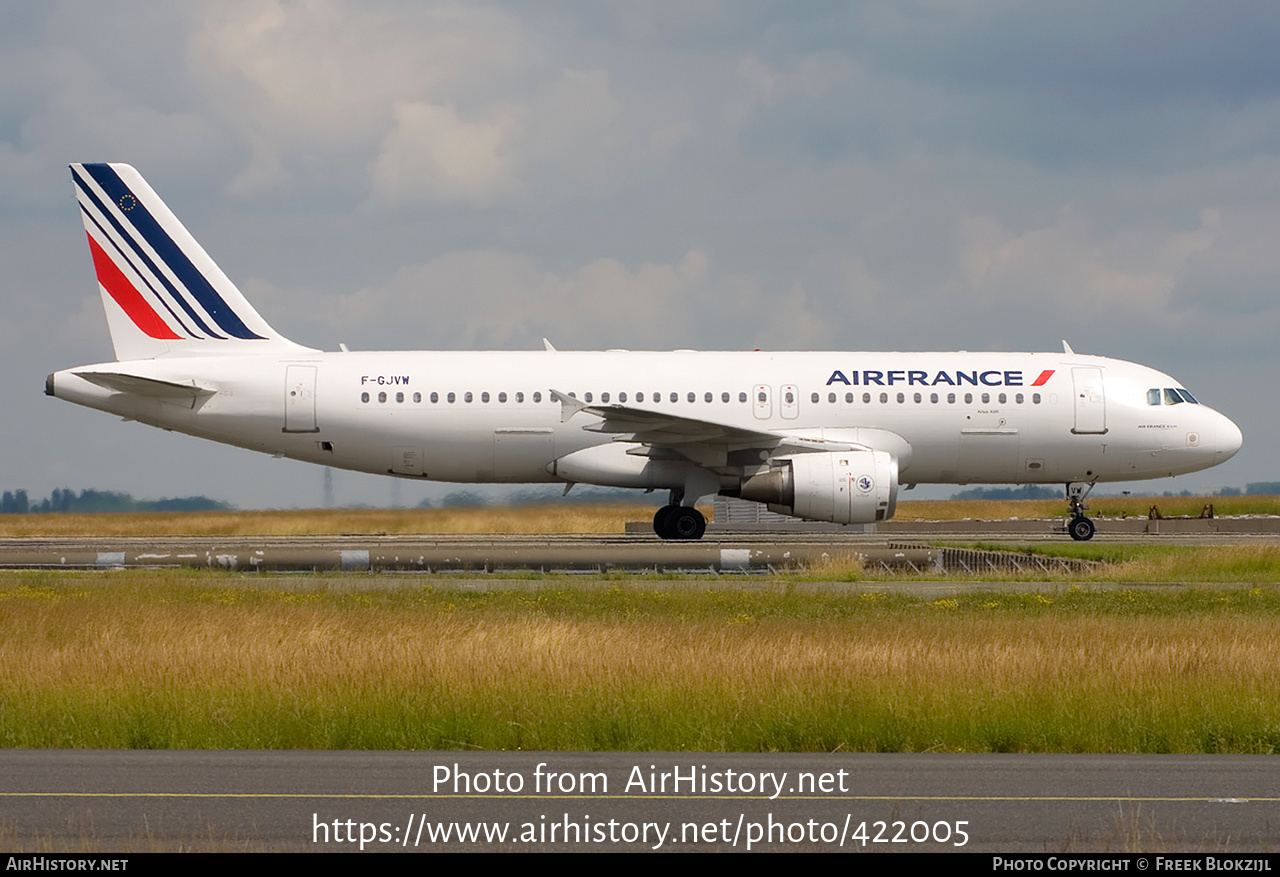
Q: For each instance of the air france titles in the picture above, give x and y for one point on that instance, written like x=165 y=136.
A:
x=922 y=378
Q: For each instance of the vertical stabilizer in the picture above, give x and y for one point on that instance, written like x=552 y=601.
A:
x=162 y=293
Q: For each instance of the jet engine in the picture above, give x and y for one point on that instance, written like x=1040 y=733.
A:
x=845 y=487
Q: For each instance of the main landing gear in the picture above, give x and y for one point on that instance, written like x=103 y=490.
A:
x=1080 y=527
x=675 y=521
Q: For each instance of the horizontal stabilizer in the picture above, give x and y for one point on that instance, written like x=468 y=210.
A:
x=135 y=385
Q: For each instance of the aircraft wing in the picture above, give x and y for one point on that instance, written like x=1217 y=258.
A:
x=690 y=436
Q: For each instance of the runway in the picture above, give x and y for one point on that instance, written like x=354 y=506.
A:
x=907 y=550
x=137 y=801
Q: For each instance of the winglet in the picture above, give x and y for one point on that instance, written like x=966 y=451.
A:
x=1066 y=348
x=569 y=406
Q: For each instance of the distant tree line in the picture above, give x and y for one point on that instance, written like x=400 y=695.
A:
x=16 y=502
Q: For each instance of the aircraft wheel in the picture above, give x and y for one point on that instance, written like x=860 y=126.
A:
x=686 y=522
x=1081 y=528
x=662 y=521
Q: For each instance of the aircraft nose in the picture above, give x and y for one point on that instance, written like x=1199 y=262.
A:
x=1229 y=440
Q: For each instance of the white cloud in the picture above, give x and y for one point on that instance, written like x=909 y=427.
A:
x=311 y=84
x=1064 y=268
x=431 y=153
x=482 y=299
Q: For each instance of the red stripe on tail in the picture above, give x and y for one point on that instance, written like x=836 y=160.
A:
x=125 y=295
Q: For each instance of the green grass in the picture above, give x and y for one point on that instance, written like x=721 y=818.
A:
x=170 y=659
x=1146 y=562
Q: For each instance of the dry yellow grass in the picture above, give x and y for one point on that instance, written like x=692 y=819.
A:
x=177 y=667
x=1111 y=507
x=496 y=519
x=550 y=518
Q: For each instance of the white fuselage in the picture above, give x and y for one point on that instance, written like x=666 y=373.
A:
x=952 y=418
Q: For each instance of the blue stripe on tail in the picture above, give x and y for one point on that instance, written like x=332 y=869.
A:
x=138 y=252
x=171 y=254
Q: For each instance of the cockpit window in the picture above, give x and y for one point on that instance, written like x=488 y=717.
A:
x=1170 y=395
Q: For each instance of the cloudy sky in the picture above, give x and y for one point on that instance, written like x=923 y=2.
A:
x=922 y=175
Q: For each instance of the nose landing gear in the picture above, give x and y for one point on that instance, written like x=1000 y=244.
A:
x=1080 y=527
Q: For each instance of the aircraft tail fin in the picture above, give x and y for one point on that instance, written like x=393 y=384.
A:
x=162 y=292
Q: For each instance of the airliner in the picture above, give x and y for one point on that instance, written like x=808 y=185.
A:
x=823 y=436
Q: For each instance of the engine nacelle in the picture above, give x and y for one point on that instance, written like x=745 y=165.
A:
x=845 y=487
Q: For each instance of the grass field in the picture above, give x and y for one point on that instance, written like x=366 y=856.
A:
x=555 y=518
x=182 y=659
x=494 y=519
x=169 y=659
